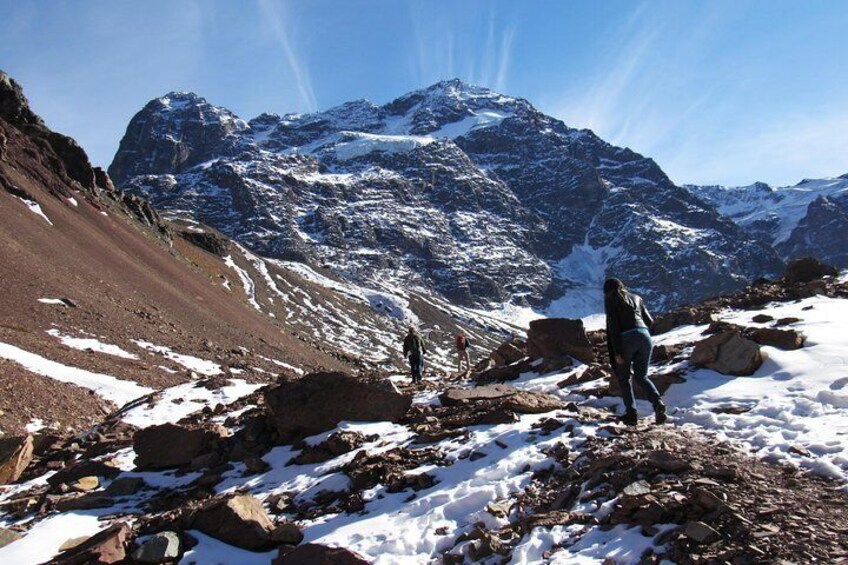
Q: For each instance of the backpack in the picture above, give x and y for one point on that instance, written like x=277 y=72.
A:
x=461 y=342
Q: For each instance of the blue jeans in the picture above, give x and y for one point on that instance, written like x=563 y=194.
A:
x=636 y=349
x=415 y=364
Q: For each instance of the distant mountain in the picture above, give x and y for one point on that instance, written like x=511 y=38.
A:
x=453 y=189
x=807 y=219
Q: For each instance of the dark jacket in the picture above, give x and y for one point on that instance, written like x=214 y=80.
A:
x=624 y=313
x=413 y=344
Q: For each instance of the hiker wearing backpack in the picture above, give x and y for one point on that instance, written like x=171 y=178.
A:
x=462 y=345
x=630 y=347
x=414 y=350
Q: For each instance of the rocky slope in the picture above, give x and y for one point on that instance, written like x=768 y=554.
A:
x=537 y=470
x=104 y=301
x=800 y=221
x=454 y=189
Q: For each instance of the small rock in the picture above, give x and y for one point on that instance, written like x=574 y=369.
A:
x=15 y=456
x=85 y=484
x=700 y=532
x=637 y=488
x=104 y=547
x=762 y=318
x=125 y=486
x=667 y=462
x=8 y=536
x=163 y=547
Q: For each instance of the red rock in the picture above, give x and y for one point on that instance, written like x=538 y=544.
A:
x=551 y=338
x=314 y=554
x=238 y=520
x=15 y=456
x=319 y=401
x=108 y=546
x=171 y=445
x=782 y=339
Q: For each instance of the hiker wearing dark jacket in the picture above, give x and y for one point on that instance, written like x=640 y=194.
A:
x=630 y=347
x=414 y=350
x=462 y=344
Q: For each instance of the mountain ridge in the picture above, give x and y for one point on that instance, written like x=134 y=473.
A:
x=452 y=188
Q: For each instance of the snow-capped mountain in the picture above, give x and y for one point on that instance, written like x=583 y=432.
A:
x=454 y=188
x=798 y=220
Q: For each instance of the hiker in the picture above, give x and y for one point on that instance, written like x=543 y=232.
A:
x=462 y=345
x=630 y=347
x=414 y=350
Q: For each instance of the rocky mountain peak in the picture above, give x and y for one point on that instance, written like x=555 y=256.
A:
x=14 y=107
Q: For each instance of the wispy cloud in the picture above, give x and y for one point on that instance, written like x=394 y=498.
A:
x=454 y=43
x=279 y=24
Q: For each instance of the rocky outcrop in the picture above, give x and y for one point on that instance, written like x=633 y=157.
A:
x=787 y=340
x=171 y=445
x=728 y=353
x=15 y=456
x=553 y=338
x=212 y=242
x=503 y=397
x=238 y=520
x=319 y=401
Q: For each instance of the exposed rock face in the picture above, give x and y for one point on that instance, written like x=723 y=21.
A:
x=15 y=455
x=238 y=520
x=211 y=242
x=553 y=338
x=14 y=108
x=463 y=191
x=728 y=353
x=171 y=445
x=318 y=555
x=319 y=401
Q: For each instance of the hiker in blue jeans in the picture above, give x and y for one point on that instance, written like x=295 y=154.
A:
x=630 y=347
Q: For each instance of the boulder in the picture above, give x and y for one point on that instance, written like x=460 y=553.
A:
x=164 y=547
x=319 y=401
x=83 y=501
x=663 y=353
x=508 y=353
x=171 y=445
x=287 y=533
x=557 y=337
x=107 y=546
x=207 y=240
x=806 y=270
x=782 y=339
x=125 y=486
x=460 y=396
x=762 y=319
x=15 y=455
x=530 y=402
x=238 y=520
x=728 y=353
x=318 y=555
x=683 y=317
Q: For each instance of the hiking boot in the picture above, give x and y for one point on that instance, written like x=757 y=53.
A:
x=630 y=418
x=659 y=413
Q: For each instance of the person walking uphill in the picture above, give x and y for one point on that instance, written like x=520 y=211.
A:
x=630 y=347
x=414 y=350
x=462 y=345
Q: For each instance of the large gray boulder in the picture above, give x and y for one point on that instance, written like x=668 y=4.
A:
x=552 y=338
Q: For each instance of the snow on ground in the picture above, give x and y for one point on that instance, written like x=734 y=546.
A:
x=358 y=144
x=115 y=390
x=796 y=399
x=90 y=344
x=246 y=281
x=35 y=208
x=57 y=301
x=190 y=362
x=43 y=541
x=175 y=403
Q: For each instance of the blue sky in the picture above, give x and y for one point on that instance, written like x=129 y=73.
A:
x=722 y=91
